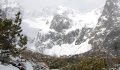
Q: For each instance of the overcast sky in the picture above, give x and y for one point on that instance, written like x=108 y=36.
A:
x=82 y=5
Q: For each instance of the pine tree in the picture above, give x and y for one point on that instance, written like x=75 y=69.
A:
x=11 y=38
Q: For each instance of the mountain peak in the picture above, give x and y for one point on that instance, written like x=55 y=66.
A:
x=10 y=7
x=62 y=10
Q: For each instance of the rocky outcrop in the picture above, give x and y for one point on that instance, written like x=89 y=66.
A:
x=106 y=34
x=40 y=66
x=60 y=22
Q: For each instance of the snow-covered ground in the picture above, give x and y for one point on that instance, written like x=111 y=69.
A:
x=68 y=49
x=8 y=67
x=28 y=66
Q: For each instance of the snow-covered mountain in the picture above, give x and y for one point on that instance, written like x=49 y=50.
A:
x=66 y=32
x=106 y=34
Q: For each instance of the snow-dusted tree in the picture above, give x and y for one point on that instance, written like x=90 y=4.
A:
x=11 y=39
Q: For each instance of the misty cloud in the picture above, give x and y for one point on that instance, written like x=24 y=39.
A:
x=82 y=5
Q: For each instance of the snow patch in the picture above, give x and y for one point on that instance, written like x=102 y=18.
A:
x=68 y=49
x=8 y=67
x=28 y=66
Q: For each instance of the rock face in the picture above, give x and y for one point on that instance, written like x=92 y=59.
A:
x=41 y=66
x=106 y=34
x=2 y=14
x=59 y=23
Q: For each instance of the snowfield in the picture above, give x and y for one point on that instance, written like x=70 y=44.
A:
x=68 y=49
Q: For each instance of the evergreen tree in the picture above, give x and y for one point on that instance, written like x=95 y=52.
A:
x=11 y=38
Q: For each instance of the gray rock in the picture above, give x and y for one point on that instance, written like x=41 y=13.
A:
x=59 y=23
x=40 y=66
x=107 y=31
